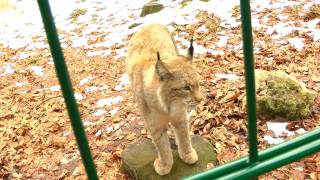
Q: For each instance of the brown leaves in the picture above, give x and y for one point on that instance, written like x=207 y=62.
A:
x=7 y=117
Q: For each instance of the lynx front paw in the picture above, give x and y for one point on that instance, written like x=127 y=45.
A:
x=162 y=168
x=189 y=158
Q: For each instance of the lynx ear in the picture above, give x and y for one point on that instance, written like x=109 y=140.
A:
x=190 y=50
x=161 y=70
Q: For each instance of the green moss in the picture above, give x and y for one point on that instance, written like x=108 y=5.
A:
x=151 y=8
x=138 y=160
x=204 y=0
x=280 y=95
x=185 y=3
x=76 y=13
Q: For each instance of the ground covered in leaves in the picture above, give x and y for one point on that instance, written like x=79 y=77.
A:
x=36 y=139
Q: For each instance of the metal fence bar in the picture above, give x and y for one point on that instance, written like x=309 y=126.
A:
x=250 y=82
x=267 y=154
x=274 y=162
x=66 y=86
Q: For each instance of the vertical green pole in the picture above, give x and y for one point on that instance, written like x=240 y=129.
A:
x=250 y=83
x=249 y=75
x=66 y=86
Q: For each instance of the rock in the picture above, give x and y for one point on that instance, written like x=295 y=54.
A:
x=151 y=7
x=134 y=25
x=138 y=160
x=280 y=95
x=185 y=2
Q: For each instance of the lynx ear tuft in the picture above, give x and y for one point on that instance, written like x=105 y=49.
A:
x=161 y=70
x=158 y=56
x=191 y=49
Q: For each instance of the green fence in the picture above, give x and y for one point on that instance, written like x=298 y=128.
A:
x=245 y=168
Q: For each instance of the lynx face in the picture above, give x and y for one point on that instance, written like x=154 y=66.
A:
x=180 y=84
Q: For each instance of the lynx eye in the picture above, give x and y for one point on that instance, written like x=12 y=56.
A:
x=187 y=88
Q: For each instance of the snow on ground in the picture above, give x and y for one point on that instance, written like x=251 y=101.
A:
x=114 y=111
x=20 y=84
x=231 y=77
x=78 y=96
x=55 y=88
x=109 y=101
x=37 y=70
x=280 y=132
x=85 y=80
x=124 y=81
x=6 y=69
x=99 y=112
x=116 y=16
x=297 y=43
x=113 y=20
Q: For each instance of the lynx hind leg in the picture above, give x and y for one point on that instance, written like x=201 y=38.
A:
x=186 y=152
x=164 y=161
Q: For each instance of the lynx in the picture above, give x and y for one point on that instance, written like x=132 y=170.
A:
x=165 y=86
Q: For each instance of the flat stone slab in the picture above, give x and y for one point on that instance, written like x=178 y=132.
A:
x=138 y=160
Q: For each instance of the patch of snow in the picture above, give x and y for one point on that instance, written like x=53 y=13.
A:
x=316 y=35
x=99 y=53
x=231 y=77
x=78 y=96
x=7 y=70
x=222 y=41
x=124 y=81
x=85 y=80
x=279 y=128
x=87 y=123
x=99 y=112
x=55 y=88
x=65 y=133
x=297 y=43
x=37 y=70
x=91 y=89
x=99 y=133
x=24 y=56
x=37 y=45
x=285 y=28
x=121 y=53
x=116 y=126
x=20 y=84
x=299 y=167
x=272 y=140
x=201 y=29
x=301 y=131
x=114 y=111
x=109 y=129
x=79 y=41
x=109 y=101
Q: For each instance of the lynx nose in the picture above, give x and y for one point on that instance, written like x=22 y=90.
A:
x=198 y=96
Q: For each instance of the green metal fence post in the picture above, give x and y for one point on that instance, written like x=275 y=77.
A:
x=274 y=162
x=250 y=82
x=302 y=144
x=66 y=86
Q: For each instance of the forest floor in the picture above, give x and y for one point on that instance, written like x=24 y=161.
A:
x=36 y=138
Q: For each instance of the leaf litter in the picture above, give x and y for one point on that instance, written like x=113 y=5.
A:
x=36 y=139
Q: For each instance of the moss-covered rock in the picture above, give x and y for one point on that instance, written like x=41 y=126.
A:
x=282 y=96
x=150 y=8
x=138 y=160
x=185 y=3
